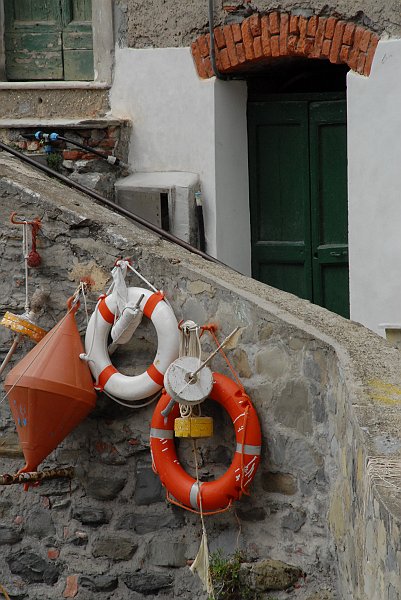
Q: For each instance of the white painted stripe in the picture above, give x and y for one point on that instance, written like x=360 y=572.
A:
x=193 y=495
x=248 y=449
x=239 y=416
x=162 y=434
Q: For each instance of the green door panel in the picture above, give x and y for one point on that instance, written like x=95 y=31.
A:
x=32 y=55
x=278 y=138
x=77 y=40
x=329 y=205
x=48 y=39
x=298 y=197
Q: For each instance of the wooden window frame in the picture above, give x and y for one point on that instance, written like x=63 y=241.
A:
x=103 y=47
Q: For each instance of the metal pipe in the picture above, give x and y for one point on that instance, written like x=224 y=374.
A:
x=212 y=44
x=165 y=234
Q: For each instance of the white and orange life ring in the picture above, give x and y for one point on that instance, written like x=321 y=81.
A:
x=107 y=377
x=218 y=494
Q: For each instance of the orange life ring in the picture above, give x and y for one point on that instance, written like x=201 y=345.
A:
x=218 y=494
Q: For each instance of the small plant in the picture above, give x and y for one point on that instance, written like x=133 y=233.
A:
x=225 y=573
x=54 y=161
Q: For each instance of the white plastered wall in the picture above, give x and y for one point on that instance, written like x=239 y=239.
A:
x=183 y=123
x=374 y=176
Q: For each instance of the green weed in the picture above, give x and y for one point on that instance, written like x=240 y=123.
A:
x=226 y=578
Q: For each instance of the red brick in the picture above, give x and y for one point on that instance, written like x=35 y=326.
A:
x=365 y=40
x=71 y=589
x=326 y=47
x=361 y=63
x=240 y=52
x=225 y=63
x=337 y=42
x=330 y=27
x=344 y=54
x=284 y=25
x=294 y=24
x=274 y=23
x=275 y=44
x=237 y=33
x=370 y=55
x=254 y=22
x=319 y=38
x=303 y=26
x=312 y=26
x=231 y=49
x=292 y=44
x=89 y=156
x=203 y=46
x=359 y=31
x=105 y=144
x=353 y=58
x=208 y=67
x=348 y=36
x=22 y=145
x=198 y=61
x=257 y=47
x=309 y=44
x=247 y=39
x=72 y=154
x=219 y=38
x=266 y=45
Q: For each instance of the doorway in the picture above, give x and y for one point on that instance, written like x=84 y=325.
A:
x=298 y=187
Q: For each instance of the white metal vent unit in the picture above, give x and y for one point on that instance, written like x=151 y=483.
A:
x=166 y=199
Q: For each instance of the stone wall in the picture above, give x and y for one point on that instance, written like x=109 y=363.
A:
x=179 y=23
x=327 y=392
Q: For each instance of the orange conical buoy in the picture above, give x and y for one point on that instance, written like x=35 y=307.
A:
x=50 y=390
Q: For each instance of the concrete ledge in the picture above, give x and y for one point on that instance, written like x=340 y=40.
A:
x=78 y=123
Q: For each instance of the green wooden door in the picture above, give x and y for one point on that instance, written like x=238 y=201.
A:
x=298 y=198
x=48 y=39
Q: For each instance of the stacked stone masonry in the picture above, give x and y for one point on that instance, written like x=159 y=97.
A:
x=327 y=392
x=262 y=38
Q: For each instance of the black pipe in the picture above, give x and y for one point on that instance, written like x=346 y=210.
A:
x=165 y=234
x=54 y=137
x=212 y=45
x=115 y=161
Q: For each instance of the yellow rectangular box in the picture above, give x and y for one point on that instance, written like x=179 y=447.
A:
x=193 y=427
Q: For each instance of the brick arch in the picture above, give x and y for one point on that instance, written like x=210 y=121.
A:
x=260 y=38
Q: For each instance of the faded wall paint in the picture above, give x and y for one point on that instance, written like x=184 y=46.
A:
x=181 y=123
x=374 y=147
x=172 y=24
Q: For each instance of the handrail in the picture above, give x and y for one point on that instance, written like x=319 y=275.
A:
x=165 y=234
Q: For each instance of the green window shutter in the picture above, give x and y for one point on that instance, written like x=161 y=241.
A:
x=33 y=40
x=77 y=40
x=48 y=39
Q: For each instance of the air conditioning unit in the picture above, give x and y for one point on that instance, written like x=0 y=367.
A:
x=166 y=199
